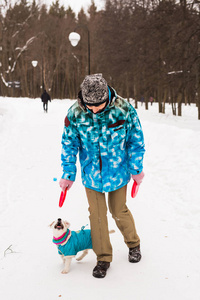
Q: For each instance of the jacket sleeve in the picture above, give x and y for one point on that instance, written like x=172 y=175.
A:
x=70 y=146
x=135 y=142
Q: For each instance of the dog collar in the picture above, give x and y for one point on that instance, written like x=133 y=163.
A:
x=63 y=238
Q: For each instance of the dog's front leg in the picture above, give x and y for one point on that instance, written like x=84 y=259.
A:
x=67 y=262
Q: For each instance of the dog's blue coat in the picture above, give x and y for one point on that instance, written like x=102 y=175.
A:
x=78 y=241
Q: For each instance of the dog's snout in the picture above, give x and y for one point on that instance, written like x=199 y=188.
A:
x=59 y=224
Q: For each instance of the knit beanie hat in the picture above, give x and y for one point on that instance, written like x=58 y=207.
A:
x=94 y=90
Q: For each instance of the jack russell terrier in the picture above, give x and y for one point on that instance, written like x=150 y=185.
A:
x=69 y=242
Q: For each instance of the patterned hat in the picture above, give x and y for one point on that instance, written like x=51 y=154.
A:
x=94 y=90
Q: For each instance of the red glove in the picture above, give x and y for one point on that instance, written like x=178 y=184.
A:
x=138 y=178
x=65 y=184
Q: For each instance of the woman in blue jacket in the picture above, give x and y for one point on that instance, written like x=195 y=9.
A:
x=105 y=130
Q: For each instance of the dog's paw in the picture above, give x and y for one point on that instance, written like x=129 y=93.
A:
x=65 y=271
x=78 y=258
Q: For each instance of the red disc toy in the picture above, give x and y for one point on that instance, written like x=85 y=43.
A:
x=62 y=198
x=134 y=190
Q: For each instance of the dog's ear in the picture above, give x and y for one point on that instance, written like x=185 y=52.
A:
x=51 y=225
x=67 y=224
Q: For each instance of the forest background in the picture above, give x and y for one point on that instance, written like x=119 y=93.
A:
x=144 y=48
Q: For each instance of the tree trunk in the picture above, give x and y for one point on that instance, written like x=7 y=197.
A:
x=179 y=100
x=135 y=95
x=160 y=108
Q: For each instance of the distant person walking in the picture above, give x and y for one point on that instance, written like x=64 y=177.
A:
x=151 y=99
x=45 y=97
x=142 y=99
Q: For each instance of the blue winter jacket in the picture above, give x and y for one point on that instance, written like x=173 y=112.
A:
x=110 y=144
x=78 y=241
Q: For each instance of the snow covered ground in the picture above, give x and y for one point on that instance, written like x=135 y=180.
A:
x=166 y=210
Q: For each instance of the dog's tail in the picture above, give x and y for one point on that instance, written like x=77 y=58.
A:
x=111 y=231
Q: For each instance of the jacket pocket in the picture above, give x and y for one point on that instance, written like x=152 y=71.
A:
x=116 y=124
x=87 y=167
x=117 y=136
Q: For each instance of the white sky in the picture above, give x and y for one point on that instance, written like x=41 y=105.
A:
x=76 y=5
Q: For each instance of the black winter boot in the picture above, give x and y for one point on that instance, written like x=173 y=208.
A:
x=101 y=269
x=134 y=254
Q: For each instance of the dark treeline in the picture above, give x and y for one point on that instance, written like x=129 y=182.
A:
x=143 y=48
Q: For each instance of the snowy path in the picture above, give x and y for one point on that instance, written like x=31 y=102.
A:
x=166 y=211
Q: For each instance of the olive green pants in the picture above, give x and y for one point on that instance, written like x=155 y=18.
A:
x=99 y=223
